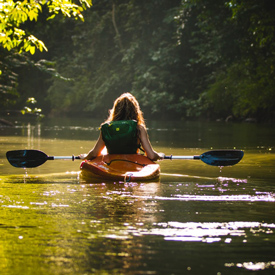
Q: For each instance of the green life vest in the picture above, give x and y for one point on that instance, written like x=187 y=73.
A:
x=120 y=136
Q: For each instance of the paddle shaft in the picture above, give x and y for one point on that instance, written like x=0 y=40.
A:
x=166 y=157
x=62 y=157
x=182 y=157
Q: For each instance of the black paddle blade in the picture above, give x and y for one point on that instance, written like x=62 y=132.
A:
x=222 y=157
x=26 y=158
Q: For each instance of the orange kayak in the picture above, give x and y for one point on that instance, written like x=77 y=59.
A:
x=121 y=167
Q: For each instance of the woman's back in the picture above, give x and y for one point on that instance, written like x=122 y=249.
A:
x=120 y=136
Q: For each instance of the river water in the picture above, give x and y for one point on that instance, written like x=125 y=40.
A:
x=196 y=219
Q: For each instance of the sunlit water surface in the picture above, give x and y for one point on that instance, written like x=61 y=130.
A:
x=196 y=219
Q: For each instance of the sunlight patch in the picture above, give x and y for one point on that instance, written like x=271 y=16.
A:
x=252 y=266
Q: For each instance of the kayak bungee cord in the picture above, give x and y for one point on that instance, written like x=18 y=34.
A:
x=125 y=160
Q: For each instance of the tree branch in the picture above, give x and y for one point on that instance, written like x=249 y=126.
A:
x=115 y=27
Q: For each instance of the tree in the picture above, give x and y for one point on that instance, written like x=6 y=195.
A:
x=14 y=14
x=245 y=87
x=181 y=58
x=124 y=46
x=15 y=37
x=232 y=57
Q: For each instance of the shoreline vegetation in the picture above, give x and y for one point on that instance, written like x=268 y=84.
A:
x=11 y=118
x=185 y=60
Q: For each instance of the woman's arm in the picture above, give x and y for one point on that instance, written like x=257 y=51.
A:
x=96 y=151
x=145 y=142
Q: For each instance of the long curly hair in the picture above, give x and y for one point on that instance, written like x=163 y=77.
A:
x=126 y=107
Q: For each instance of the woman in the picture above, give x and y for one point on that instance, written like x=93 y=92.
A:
x=124 y=131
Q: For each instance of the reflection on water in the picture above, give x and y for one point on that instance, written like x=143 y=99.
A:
x=253 y=266
x=250 y=198
x=196 y=219
x=196 y=232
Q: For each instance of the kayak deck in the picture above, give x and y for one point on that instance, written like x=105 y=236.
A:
x=125 y=167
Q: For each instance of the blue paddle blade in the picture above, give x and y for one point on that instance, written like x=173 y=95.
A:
x=221 y=157
x=26 y=158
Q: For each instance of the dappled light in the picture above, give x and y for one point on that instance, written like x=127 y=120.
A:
x=184 y=59
x=54 y=221
x=203 y=74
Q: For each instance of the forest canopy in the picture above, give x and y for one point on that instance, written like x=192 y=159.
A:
x=183 y=58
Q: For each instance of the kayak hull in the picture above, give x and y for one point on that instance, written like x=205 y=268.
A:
x=121 y=167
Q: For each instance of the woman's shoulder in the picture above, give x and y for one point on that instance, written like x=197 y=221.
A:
x=141 y=127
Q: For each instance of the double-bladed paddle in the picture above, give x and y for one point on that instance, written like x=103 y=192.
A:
x=34 y=158
x=31 y=158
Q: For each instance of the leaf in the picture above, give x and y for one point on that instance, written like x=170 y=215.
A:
x=31 y=100
x=27 y=109
x=14 y=13
x=51 y=17
x=32 y=50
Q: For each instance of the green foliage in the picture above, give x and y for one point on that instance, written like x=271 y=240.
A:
x=243 y=91
x=233 y=45
x=14 y=14
x=31 y=110
x=131 y=49
x=16 y=38
x=246 y=86
x=194 y=58
x=8 y=83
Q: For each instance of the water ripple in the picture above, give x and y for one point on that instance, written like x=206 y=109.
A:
x=206 y=232
x=247 y=198
x=252 y=266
